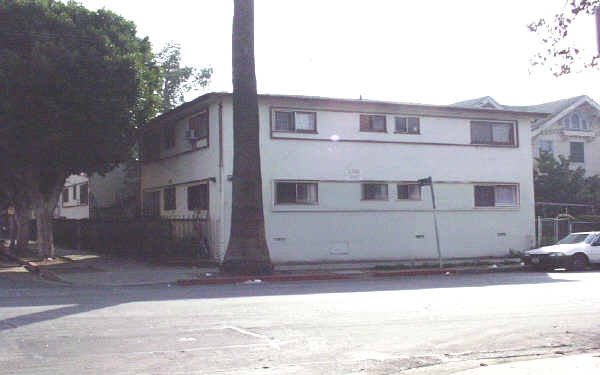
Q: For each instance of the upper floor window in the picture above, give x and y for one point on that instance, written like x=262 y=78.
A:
x=576 y=122
x=544 y=146
x=198 y=126
x=492 y=133
x=295 y=121
x=296 y=192
x=409 y=125
x=577 y=152
x=496 y=196
x=374 y=192
x=372 y=123
x=409 y=192
x=169 y=133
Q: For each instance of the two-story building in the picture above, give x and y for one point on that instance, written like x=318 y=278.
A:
x=339 y=176
x=570 y=129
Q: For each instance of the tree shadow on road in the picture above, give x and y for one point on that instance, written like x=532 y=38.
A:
x=75 y=300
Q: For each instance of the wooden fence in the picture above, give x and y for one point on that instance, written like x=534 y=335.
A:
x=151 y=237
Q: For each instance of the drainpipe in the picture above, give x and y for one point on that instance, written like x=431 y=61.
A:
x=221 y=234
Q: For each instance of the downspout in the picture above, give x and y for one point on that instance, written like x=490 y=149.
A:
x=221 y=236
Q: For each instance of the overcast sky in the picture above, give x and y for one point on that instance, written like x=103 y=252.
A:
x=433 y=52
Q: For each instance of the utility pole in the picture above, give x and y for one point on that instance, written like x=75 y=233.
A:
x=429 y=182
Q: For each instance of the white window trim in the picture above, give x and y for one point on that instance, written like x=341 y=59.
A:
x=297 y=203
x=294 y=111
x=501 y=206
x=409 y=199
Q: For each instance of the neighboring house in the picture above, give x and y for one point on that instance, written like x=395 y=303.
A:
x=86 y=197
x=339 y=176
x=571 y=128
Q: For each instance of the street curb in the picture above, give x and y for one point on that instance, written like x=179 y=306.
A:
x=343 y=276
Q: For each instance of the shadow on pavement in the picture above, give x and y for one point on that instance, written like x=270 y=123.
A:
x=75 y=300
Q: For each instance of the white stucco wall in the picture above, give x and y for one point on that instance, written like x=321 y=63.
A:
x=73 y=209
x=342 y=227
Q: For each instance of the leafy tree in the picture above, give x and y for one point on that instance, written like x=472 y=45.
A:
x=247 y=251
x=74 y=86
x=555 y=181
x=177 y=79
x=558 y=52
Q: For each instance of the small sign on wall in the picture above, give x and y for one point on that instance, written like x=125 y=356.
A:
x=353 y=174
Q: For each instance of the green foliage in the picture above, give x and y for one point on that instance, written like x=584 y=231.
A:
x=178 y=80
x=74 y=85
x=557 y=51
x=555 y=181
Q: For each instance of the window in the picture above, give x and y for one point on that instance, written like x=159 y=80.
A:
x=151 y=146
x=169 y=133
x=577 y=152
x=169 y=199
x=492 y=133
x=83 y=194
x=199 y=125
x=151 y=204
x=294 y=121
x=495 y=196
x=409 y=125
x=544 y=146
x=576 y=122
x=372 y=123
x=409 y=192
x=296 y=192
x=197 y=199
x=74 y=192
x=65 y=195
x=374 y=192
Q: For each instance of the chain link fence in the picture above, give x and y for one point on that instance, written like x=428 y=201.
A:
x=551 y=230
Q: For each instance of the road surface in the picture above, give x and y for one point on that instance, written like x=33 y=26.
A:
x=414 y=325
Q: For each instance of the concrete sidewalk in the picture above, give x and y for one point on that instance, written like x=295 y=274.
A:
x=582 y=364
x=89 y=269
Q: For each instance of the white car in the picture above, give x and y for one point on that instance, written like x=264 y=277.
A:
x=574 y=252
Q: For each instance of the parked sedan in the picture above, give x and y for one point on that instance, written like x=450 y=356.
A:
x=574 y=252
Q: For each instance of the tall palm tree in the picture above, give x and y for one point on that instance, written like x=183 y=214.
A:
x=247 y=252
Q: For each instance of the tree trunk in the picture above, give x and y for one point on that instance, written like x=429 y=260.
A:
x=23 y=231
x=44 y=209
x=247 y=251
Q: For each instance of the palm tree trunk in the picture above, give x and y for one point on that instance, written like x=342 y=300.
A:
x=247 y=252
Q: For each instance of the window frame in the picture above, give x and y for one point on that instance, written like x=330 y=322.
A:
x=582 y=160
x=293 y=112
x=189 y=206
x=406 y=118
x=408 y=184
x=513 y=133
x=170 y=138
x=370 y=129
x=514 y=186
x=170 y=204
x=65 y=195
x=297 y=202
x=362 y=191
x=197 y=127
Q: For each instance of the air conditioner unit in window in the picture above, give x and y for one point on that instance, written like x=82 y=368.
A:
x=192 y=134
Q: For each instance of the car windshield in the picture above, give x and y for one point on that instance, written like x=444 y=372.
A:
x=576 y=238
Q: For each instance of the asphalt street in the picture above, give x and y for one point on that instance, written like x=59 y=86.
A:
x=414 y=325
